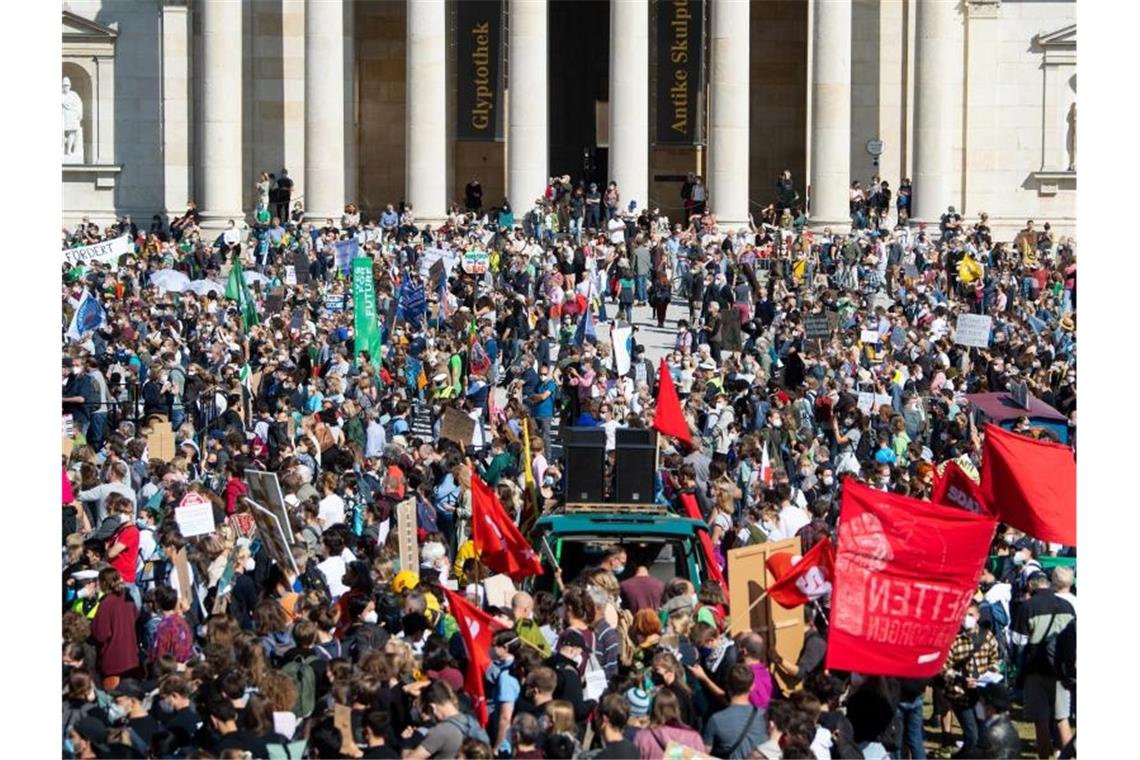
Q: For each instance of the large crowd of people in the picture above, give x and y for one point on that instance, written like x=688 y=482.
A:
x=207 y=646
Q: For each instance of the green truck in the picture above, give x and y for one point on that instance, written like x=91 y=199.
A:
x=576 y=539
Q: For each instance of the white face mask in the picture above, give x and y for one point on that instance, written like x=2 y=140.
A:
x=828 y=480
x=370 y=617
x=249 y=565
x=777 y=423
x=970 y=623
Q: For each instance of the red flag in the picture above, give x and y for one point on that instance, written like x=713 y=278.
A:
x=669 y=419
x=905 y=571
x=500 y=544
x=476 y=627
x=955 y=488
x=802 y=579
x=689 y=502
x=1031 y=484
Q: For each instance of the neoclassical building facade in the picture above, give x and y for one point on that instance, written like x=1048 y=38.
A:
x=376 y=101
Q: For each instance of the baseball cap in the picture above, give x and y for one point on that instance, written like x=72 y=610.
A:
x=571 y=638
x=129 y=687
x=91 y=729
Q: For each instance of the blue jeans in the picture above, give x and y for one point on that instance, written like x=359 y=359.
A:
x=177 y=417
x=97 y=431
x=909 y=717
x=640 y=282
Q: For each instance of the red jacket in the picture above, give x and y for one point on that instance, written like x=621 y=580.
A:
x=113 y=630
x=234 y=489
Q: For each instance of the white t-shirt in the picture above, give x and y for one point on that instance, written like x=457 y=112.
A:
x=331 y=511
x=617 y=230
x=792 y=518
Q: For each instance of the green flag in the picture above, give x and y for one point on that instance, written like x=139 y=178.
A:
x=367 y=330
x=238 y=290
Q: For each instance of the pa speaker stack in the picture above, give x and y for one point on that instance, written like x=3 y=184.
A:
x=585 y=451
x=636 y=462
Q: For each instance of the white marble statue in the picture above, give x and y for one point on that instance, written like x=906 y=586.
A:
x=1071 y=138
x=72 y=125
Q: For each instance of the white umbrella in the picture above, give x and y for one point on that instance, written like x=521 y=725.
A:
x=202 y=287
x=252 y=277
x=169 y=280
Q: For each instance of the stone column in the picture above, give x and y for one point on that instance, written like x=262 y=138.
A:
x=427 y=109
x=939 y=64
x=831 y=113
x=629 y=99
x=728 y=131
x=528 y=151
x=176 y=157
x=323 y=189
x=220 y=189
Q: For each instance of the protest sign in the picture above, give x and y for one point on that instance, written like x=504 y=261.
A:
x=334 y=302
x=406 y=524
x=437 y=274
x=105 y=252
x=265 y=489
x=301 y=267
x=273 y=536
x=430 y=256
x=869 y=336
x=752 y=610
x=905 y=571
x=68 y=426
x=194 y=515
x=291 y=274
x=457 y=427
x=817 y=327
x=621 y=337
x=475 y=262
x=160 y=441
x=730 y=333
x=973 y=330
x=365 y=324
x=421 y=422
x=185 y=579
x=275 y=301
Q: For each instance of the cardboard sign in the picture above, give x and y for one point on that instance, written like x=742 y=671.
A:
x=730 y=332
x=817 y=327
x=406 y=524
x=748 y=577
x=500 y=590
x=160 y=441
x=973 y=330
x=194 y=515
x=273 y=536
x=457 y=427
x=185 y=579
x=868 y=336
x=872 y=402
x=265 y=489
x=475 y=262
x=68 y=445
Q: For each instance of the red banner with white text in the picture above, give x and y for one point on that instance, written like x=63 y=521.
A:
x=905 y=571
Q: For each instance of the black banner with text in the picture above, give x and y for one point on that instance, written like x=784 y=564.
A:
x=478 y=68
x=679 y=55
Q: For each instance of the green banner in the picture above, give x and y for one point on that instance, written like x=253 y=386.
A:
x=364 y=308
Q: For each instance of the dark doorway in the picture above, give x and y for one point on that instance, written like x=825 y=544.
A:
x=579 y=69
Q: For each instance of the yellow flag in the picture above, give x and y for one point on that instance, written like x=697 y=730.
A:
x=530 y=492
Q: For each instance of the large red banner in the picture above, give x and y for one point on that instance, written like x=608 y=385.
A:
x=905 y=571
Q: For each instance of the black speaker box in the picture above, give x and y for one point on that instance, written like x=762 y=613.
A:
x=584 y=449
x=636 y=462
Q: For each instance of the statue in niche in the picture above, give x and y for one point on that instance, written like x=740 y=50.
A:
x=1071 y=138
x=72 y=124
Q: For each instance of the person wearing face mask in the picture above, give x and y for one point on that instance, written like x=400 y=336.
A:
x=127 y=710
x=175 y=709
x=973 y=653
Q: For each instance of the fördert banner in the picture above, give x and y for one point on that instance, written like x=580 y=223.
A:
x=680 y=39
x=478 y=69
x=107 y=251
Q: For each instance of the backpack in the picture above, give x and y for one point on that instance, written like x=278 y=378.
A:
x=300 y=669
x=469 y=728
x=313 y=580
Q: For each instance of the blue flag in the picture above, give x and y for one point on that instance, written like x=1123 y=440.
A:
x=413 y=303
x=586 y=328
x=89 y=315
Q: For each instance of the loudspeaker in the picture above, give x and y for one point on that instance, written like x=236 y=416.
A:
x=584 y=449
x=636 y=462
